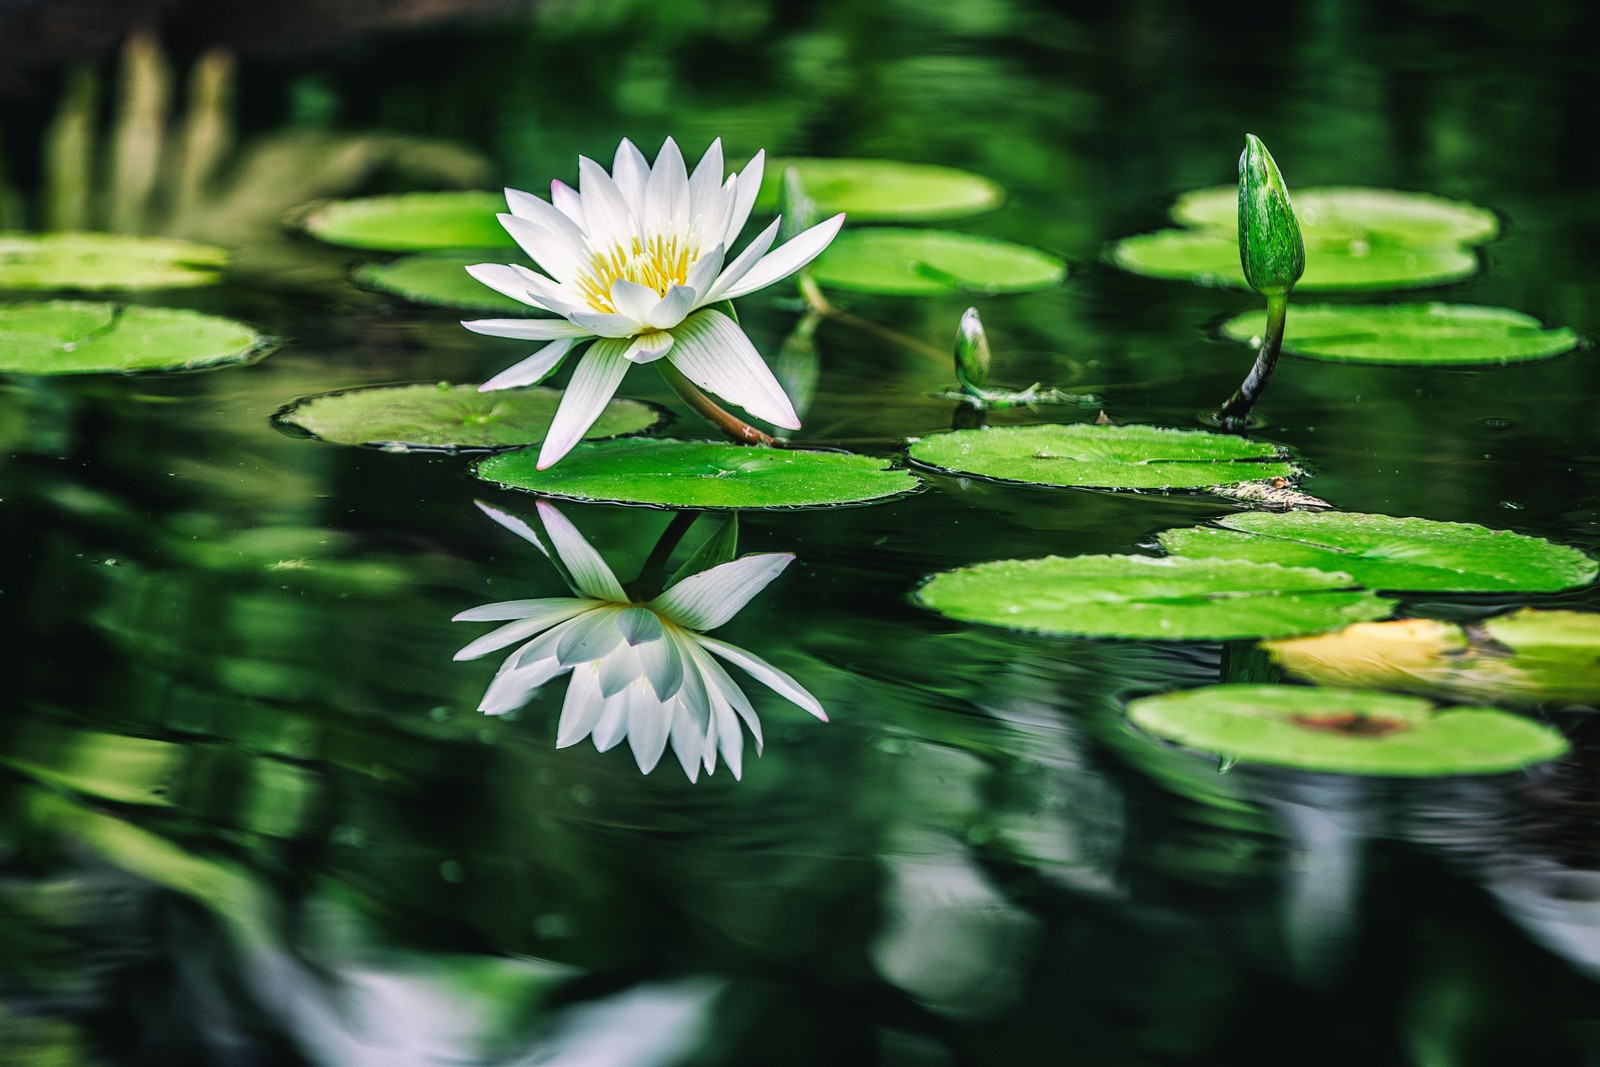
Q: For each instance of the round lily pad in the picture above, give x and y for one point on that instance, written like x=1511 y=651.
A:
x=882 y=190
x=440 y=278
x=1347 y=212
x=1409 y=333
x=452 y=418
x=1524 y=659
x=1211 y=257
x=1103 y=457
x=1345 y=731
x=702 y=474
x=81 y=337
x=100 y=262
x=412 y=222
x=899 y=262
x=1141 y=597
x=1391 y=552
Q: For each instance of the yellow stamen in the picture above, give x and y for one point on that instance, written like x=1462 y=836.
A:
x=660 y=262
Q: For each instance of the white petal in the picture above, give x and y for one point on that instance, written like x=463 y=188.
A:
x=543 y=214
x=634 y=300
x=742 y=264
x=612 y=726
x=512 y=689
x=527 y=329
x=516 y=526
x=606 y=218
x=581 y=708
x=672 y=308
x=705 y=195
x=786 y=259
x=724 y=698
x=602 y=324
x=688 y=741
x=648 y=724
x=692 y=693
x=666 y=198
x=766 y=674
x=502 y=279
x=710 y=598
x=512 y=609
x=561 y=257
x=639 y=626
x=618 y=670
x=704 y=271
x=744 y=197
x=593 y=385
x=512 y=632
x=565 y=199
x=662 y=665
x=649 y=347
x=630 y=171
x=528 y=286
x=588 y=638
x=589 y=572
x=714 y=353
x=533 y=370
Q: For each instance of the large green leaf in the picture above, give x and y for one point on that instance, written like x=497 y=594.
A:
x=1345 y=731
x=1140 y=597
x=100 y=262
x=882 y=190
x=80 y=337
x=703 y=474
x=440 y=278
x=453 y=417
x=1409 y=333
x=1352 y=212
x=1103 y=457
x=899 y=262
x=1524 y=659
x=1390 y=552
x=412 y=222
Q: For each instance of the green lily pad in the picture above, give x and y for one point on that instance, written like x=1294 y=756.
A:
x=452 y=418
x=1348 y=212
x=440 y=278
x=81 y=337
x=1524 y=659
x=1345 y=731
x=412 y=222
x=1140 y=597
x=898 y=262
x=1390 y=552
x=99 y=262
x=703 y=474
x=882 y=190
x=1409 y=333
x=1103 y=457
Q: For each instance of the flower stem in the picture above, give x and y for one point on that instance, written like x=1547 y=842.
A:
x=733 y=427
x=655 y=567
x=1234 y=413
x=821 y=306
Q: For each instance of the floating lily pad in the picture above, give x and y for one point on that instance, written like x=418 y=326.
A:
x=453 y=418
x=1103 y=457
x=413 y=222
x=1525 y=659
x=899 y=262
x=1390 y=552
x=81 y=337
x=99 y=262
x=440 y=278
x=703 y=474
x=1356 y=238
x=882 y=190
x=1409 y=333
x=1345 y=731
x=1141 y=597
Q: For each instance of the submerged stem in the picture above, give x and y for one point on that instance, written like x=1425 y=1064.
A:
x=819 y=304
x=1237 y=409
x=650 y=575
x=733 y=427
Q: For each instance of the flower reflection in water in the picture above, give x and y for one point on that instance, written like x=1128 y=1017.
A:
x=644 y=670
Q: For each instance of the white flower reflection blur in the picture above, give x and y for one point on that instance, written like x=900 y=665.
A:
x=633 y=262
x=645 y=671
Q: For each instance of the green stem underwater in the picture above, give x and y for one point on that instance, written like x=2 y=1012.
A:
x=649 y=581
x=1237 y=410
x=731 y=426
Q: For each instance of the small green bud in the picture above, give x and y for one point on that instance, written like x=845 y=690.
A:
x=1271 y=249
x=972 y=351
x=798 y=211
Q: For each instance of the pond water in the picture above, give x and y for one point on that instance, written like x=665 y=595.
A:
x=250 y=815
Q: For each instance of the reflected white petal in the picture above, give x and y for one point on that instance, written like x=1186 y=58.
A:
x=589 y=572
x=768 y=675
x=612 y=725
x=649 y=721
x=710 y=598
x=581 y=707
x=523 y=628
x=512 y=609
x=688 y=741
x=588 y=638
x=516 y=526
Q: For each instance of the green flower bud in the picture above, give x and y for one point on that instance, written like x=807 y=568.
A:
x=799 y=211
x=972 y=351
x=1271 y=249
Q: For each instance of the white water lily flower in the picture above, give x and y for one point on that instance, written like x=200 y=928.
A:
x=633 y=260
x=644 y=671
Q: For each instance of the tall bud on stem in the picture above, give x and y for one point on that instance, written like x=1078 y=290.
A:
x=1273 y=255
x=972 y=353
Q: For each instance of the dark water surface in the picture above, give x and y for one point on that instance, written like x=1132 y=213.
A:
x=249 y=815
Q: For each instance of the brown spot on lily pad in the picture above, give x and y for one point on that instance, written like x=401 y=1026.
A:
x=1349 y=724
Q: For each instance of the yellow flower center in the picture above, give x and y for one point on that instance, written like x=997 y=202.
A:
x=660 y=262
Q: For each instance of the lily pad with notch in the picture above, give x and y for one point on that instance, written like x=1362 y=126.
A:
x=1526 y=659
x=102 y=262
x=1149 y=598
x=1345 y=731
x=1410 y=334
x=902 y=262
x=453 y=418
x=705 y=475
x=412 y=222
x=883 y=190
x=87 y=337
x=1391 y=552
x=441 y=279
x=1103 y=457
